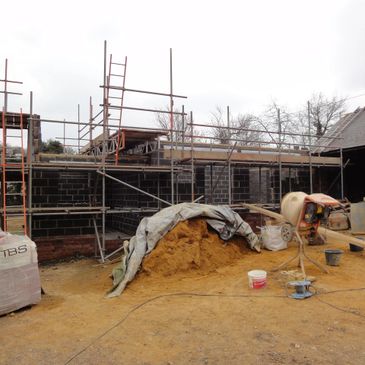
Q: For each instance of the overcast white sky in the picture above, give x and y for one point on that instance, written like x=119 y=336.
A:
x=237 y=53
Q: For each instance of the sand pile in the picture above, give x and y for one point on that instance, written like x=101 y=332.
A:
x=192 y=246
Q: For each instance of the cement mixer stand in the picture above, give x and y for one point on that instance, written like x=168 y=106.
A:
x=301 y=254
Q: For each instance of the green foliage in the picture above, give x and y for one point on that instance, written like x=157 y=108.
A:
x=52 y=146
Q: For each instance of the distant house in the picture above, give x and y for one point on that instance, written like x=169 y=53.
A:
x=350 y=130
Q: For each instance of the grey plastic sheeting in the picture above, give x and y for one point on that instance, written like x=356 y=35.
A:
x=152 y=229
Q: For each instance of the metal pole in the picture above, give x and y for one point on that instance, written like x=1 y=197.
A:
x=310 y=153
x=211 y=183
x=192 y=159
x=101 y=250
x=289 y=179
x=158 y=175
x=3 y=170
x=280 y=170
x=260 y=130
x=229 y=161
x=183 y=129
x=223 y=168
x=260 y=185
x=78 y=129
x=4 y=122
x=132 y=187
x=90 y=121
x=64 y=137
x=342 y=188
x=6 y=87
x=30 y=159
x=105 y=118
x=171 y=130
x=158 y=191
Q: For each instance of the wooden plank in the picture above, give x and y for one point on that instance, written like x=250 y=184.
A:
x=251 y=157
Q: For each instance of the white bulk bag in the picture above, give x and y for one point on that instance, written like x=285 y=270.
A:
x=19 y=275
x=272 y=239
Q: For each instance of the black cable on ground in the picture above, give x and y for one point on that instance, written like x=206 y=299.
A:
x=181 y=294
x=350 y=311
x=164 y=296
x=341 y=291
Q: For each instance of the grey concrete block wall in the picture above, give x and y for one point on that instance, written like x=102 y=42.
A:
x=64 y=225
x=216 y=184
x=75 y=188
x=64 y=189
x=59 y=188
x=241 y=185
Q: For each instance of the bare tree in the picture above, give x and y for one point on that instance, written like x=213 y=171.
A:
x=243 y=127
x=181 y=125
x=302 y=127
x=248 y=129
x=220 y=130
x=324 y=112
x=278 y=124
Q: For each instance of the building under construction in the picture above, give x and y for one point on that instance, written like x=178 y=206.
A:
x=86 y=202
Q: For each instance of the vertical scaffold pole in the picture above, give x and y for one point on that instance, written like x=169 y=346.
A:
x=24 y=193
x=90 y=122
x=280 y=166
x=310 y=150
x=341 y=166
x=78 y=128
x=229 y=161
x=104 y=150
x=192 y=157
x=3 y=162
x=30 y=164
x=171 y=131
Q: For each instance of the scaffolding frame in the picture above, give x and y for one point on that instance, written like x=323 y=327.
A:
x=111 y=144
x=232 y=144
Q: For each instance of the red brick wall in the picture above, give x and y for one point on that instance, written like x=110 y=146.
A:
x=61 y=247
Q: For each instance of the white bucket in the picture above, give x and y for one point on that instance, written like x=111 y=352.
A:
x=256 y=279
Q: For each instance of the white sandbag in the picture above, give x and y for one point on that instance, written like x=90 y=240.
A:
x=272 y=239
x=19 y=275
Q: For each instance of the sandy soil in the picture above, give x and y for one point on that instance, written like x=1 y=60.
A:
x=227 y=324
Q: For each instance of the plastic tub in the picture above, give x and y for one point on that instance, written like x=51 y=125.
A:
x=333 y=256
x=257 y=279
x=355 y=248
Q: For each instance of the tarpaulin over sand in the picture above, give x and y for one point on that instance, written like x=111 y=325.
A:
x=151 y=229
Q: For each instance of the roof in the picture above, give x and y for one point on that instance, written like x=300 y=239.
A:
x=350 y=129
x=135 y=136
x=132 y=137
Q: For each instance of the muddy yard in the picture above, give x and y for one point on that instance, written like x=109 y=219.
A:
x=192 y=317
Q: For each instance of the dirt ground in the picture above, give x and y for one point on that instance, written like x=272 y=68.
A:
x=192 y=317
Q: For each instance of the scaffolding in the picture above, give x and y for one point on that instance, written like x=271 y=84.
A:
x=178 y=152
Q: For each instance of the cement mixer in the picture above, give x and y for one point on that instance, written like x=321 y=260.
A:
x=306 y=212
x=301 y=217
